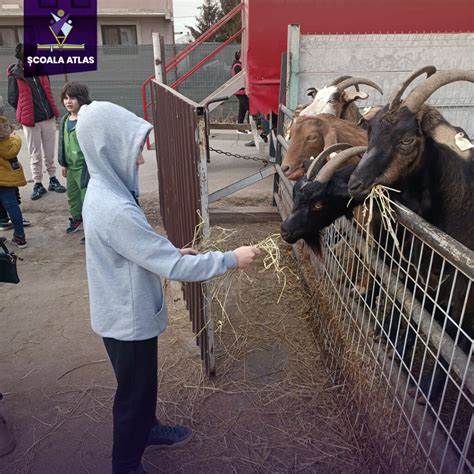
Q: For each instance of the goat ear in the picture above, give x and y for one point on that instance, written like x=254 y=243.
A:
x=419 y=119
x=369 y=113
x=350 y=96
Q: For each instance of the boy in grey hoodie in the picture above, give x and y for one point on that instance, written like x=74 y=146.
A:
x=125 y=259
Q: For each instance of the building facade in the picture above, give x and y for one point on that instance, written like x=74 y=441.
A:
x=117 y=23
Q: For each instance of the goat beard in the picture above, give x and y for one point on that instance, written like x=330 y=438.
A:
x=315 y=243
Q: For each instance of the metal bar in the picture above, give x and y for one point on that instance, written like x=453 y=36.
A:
x=289 y=113
x=282 y=142
x=202 y=172
x=449 y=248
x=192 y=46
x=426 y=322
x=201 y=63
x=241 y=184
x=293 y=60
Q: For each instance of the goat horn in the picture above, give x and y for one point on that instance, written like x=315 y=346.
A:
x=333 y=165
x=420 y=94
x=357 y=80
x=395 y=98
x=343 y=78
x=320 y=160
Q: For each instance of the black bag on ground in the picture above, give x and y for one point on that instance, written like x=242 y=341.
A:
x=8 y=273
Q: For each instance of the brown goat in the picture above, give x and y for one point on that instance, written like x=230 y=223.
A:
x=311 y=135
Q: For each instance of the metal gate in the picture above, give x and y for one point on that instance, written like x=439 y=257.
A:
x=180 y=138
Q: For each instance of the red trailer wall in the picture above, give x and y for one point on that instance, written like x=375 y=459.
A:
x=267 y=21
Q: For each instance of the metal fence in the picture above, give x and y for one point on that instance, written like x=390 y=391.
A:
x=395 y=322
x=122 y=70
x=388 y=59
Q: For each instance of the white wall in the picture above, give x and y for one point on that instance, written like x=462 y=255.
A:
x=387 y=60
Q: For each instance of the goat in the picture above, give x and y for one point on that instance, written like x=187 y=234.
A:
x=321 y=196
x=334 y=99
x=411 y=147
x=311 y=135
x=414 y=149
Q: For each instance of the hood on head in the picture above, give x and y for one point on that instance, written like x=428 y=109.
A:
x=111 y=139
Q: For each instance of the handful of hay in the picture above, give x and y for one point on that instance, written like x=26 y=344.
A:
x=219 y=239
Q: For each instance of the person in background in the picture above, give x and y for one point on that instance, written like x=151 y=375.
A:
x=241 y=95
x=125 y=260
x=11 y=177
x=36 y=110
x=73 y=96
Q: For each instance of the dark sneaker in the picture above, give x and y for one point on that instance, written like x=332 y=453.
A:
x=6 y=225
x=56 y=186
x=74 y=225
x=26 y=222
x=20 y=242
x=38 y=191
x=163 y=436
x=7 y=441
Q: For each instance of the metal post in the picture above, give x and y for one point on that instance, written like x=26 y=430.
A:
x=293 y=62
x=157 y=58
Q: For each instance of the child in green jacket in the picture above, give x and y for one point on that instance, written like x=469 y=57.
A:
x=73 y=96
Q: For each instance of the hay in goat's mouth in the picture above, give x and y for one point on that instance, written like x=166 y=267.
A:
x=380 y=194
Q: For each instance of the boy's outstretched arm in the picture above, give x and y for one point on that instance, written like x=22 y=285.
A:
x=133 y=238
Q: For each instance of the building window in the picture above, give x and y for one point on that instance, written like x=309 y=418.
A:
x=11 y=35
x=119 y=34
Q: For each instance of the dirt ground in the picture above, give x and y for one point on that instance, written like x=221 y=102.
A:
x=271 y=407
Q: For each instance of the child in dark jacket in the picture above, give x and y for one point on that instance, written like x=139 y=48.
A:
x=11 y=177
x=73 y=96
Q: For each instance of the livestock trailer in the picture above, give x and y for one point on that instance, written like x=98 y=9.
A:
x=266 y=23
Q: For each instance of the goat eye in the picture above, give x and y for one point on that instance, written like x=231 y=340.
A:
x=333 y=101
x=408 y=141
x=317 y=206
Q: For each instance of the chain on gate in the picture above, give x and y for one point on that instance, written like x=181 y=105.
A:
x=236 y=155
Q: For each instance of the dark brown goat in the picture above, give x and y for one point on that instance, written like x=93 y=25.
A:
x=414 y=149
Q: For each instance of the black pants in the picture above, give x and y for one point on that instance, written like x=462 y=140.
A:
x=243 y=107
x=135 y=365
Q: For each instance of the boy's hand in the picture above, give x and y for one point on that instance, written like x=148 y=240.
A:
x=184 y=252
x=246 y=256
x=64 y=171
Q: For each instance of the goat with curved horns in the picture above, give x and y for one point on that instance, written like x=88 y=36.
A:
x=335 y=100
x=414 y=149
x=321 y=196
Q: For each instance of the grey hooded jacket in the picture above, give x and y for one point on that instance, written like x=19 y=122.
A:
x=125 y=257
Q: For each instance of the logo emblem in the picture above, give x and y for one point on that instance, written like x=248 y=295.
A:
x=60 y=27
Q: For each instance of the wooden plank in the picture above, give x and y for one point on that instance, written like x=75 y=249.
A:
x=243 y=215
